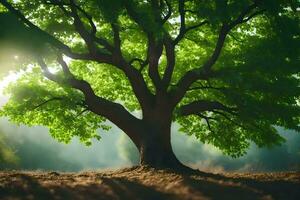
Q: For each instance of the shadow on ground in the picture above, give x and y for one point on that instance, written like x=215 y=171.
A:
x=147 y=184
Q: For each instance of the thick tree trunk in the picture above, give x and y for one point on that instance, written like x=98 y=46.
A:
x=156 y=151
x=155 y=144
x=152 y=135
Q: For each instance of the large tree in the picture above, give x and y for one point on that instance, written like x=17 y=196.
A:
x=226 y=71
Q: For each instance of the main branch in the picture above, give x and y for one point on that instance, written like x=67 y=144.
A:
x=135 y=77
x=205 y=72
x=114 y=112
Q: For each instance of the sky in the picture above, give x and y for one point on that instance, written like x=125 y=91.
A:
x=35 y=149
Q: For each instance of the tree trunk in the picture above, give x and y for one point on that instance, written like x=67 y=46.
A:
x=156 y=151
x=155 y=145
x=152 y=136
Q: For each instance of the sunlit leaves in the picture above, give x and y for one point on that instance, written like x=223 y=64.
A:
x=38 y=101
x=257 y=72
x=107 y=82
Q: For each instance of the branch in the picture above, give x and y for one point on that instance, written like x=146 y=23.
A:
x=59 y=4
x=253 y=15
x=235 y=38
x=241 y=18
x=185 y=82
x=228 y=118
x=110 y=110
x=114 y=112
x=135 y=77
x=64 y=66
x=200 y=73
x=49 y=38
x=117 y=39
x=220 y=43
x=46 y=71
x=182 y=21
x=168 y=15
x=207 y=121
x=205 y=72
x=155 y=49
x=83 y=111
x=89 y=37
x=90 y=19
x=79 y=26
x=184 y=30
x=143 y=63
x=206 y=87
x=170 y=54
x=47 y=101
x=133 y=14
x=93 y=32
x=202 y=106
x=225 y=29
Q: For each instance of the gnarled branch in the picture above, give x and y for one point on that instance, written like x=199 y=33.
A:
x=170 y=54
x=155 y=49
x=169 y=13
x=205 y=72
x=202 y=106
x=49 y=38
x=112 y=111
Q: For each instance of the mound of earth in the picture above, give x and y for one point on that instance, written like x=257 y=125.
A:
x=142 y=183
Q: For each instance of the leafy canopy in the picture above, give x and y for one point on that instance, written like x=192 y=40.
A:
x=252 y=85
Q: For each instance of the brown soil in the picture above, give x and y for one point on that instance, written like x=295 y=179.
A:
x=148 y=184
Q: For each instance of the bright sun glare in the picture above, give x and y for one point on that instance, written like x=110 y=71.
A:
x=13 y=76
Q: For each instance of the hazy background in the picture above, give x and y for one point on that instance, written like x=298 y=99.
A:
x=33 y=148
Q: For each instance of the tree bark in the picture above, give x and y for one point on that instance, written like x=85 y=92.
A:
x=156 y=151
x=155 y=143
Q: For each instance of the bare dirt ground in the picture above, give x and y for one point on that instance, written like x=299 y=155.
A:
x=141 y=183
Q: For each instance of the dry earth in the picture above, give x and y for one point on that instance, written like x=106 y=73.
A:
x=148 y=184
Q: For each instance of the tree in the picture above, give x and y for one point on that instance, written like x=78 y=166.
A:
x=226 y=71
